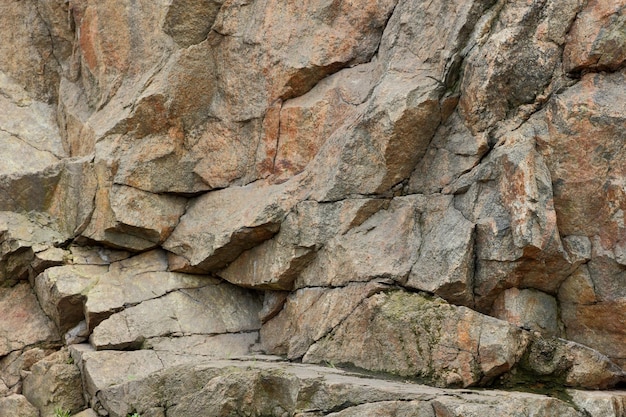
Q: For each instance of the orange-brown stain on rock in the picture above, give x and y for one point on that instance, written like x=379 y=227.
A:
x=88 y=34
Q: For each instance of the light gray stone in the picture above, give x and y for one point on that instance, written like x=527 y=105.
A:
x=445 y=262
x=278 y=262
x=225 y=309
x=502 y=405
x=309 y=314
x=87 y=413
x=27 y=128
x=365 y=252
x=72 y=293
x=262 y=387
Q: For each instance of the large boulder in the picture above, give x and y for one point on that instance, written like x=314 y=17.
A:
x=424 y=339
x=411 y=336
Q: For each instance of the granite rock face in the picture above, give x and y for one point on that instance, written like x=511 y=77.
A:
x=201 y=201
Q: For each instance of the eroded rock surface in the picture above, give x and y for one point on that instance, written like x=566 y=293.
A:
x=265 y=387
x=431 y=191
x=24 y=323
x=54 y=383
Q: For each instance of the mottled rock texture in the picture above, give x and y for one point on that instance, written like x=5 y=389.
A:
x=432 y=192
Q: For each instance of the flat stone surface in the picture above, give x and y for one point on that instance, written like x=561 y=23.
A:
x=530 y=309
x=598 y=403
x=365 y=252
x=27 y=128
x=309 y=314
x=279 y=387
x=227 y=345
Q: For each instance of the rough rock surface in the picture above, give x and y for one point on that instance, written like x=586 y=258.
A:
x=17 y=405
x=54 y=383
x=195 y=194
x=264 y=386
x=24 y=323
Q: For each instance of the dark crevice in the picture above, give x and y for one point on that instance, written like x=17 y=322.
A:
x=379 y=280
x=382 y=32
x=277 y=146
x=601 y=69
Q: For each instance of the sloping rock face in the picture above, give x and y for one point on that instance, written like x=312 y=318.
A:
x=203 y=201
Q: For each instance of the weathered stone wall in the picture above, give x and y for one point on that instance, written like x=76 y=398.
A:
x=431 y=191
